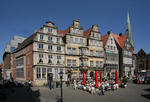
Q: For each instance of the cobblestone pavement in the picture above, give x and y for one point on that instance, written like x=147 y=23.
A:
x=133 y=93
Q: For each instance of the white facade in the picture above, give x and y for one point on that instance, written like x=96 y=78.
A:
x=48 y=54
x=111 y=57
x=14 y=43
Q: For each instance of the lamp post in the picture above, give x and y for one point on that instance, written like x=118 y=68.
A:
x=61 y=77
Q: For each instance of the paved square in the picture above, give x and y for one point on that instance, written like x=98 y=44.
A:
x=133 y=93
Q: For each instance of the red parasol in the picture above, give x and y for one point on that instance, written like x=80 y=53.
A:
x=83 y=79
x=100 y=77
x=116 y=76
x=96 y=80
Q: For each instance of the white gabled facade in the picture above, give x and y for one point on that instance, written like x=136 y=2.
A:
x=111 y=56
x=48 y=54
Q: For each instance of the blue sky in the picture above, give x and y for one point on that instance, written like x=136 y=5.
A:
x=23 y=17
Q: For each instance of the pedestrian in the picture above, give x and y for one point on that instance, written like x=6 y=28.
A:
x=50 y=81
x=57 y=83
x=75 y=84
x=102 y=88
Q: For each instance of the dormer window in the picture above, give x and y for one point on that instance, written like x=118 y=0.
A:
x=50 y=30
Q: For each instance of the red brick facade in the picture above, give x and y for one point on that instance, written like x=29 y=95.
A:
x=7 y=60
x=28 y=61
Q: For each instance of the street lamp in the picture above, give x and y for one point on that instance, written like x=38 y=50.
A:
x=61 y=77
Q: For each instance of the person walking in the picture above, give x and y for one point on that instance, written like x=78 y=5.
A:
x=50 y=81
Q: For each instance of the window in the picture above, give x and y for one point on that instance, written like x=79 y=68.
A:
x=97 y=63
x=83 y=62
x=43 y=73
x=97 y=53
x=38 y=73
x=41 y=37
x=71 y=39
x=81 y=41
x=28 y=60
x=111 y=41
x=50 y=47
x=20 y=72
x=49 y=70
x=69 y=50
x=68 y=62
x=74 y=51
x=50 y=30
x=20 y=61
x=28 y=74
x=101 y=54
x=73 y=63
x=84 y=51
x=101 y=64
x=74 y=31
x=58 y=40
x=91 y=63
x=40 y=58
x=58 y=59
x=50 y=38
x=50 y=59
x=56 y=73
x=91 y=52
x=79 y=32
x=40 y=46
x=100 y=43
x=76 y=39
x=59 y=48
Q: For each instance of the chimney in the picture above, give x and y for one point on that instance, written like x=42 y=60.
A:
x=109 y=32
x=120 y=34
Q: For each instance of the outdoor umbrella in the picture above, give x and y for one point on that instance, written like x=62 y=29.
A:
x=96 y=80
x=83 y=79
x=100 y=77
x=116 y=76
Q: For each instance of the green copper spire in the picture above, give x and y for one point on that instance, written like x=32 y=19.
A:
x=128 y=30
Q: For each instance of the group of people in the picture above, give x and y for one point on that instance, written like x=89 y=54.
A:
x=104 y=86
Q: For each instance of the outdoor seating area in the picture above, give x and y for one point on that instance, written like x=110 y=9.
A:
x=101 y=86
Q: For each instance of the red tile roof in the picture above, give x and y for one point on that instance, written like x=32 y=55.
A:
x=87 y=33
x=104 y=39
x=122 y=40
x=116 y=37
x=65 y=31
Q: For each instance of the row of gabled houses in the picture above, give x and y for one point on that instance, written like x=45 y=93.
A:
x=73 y=51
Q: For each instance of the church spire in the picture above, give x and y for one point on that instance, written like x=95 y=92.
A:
x=128 y=30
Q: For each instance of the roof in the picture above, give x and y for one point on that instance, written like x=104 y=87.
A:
x=104 y=39
x=26 y=42
x=122 y=40
x=116 y=37
x=87 y=32
x=65 y=31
